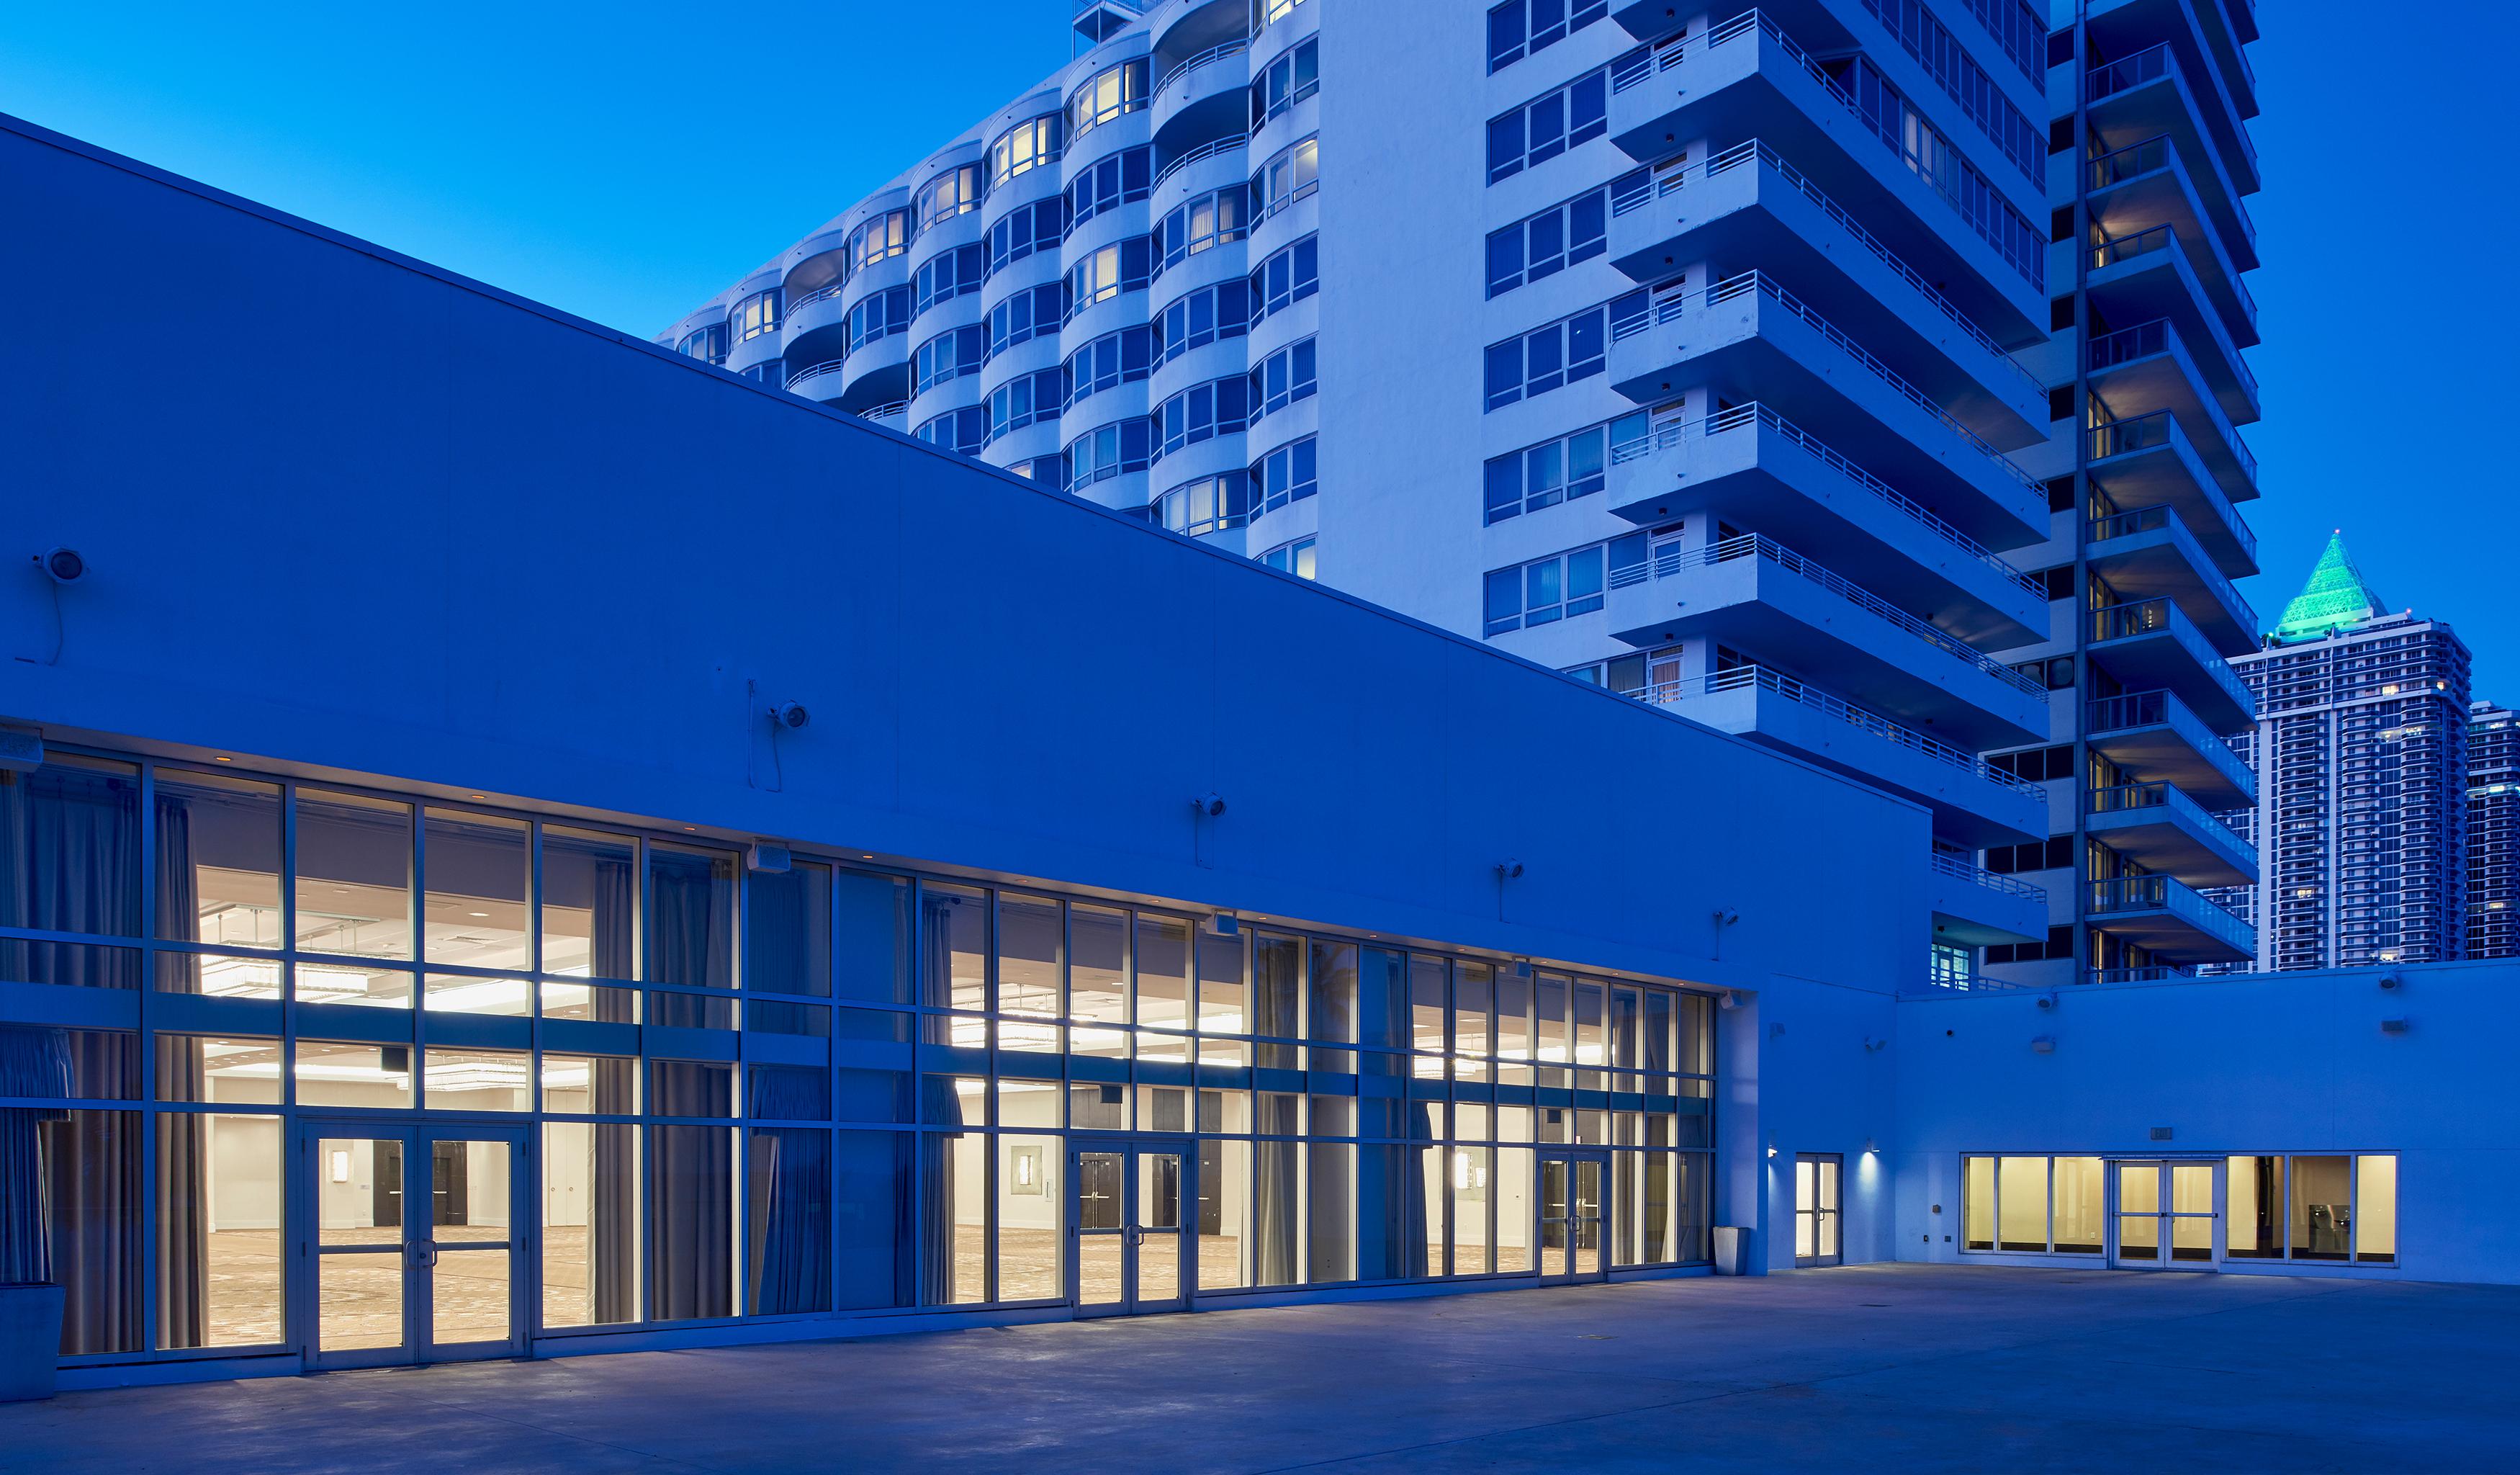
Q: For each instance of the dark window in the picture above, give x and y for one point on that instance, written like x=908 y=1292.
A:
x=1519 y=27
x=2060 y=47
x=2060 y=402
x=1555 y=238
x=1548 y=126
x=2060 y=314
x=2061 y=223
x=2060 y=493
x=2059 y=579
x=2061 y=134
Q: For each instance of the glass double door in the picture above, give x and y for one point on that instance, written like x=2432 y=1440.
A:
x=416 y=1243
x=1574 y=1188
x=2169 y=1214
x=1129 y=1244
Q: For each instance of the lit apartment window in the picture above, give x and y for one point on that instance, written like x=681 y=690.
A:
x=1295 y=76
x=755 y=316
x=1118 y=180
x=1121 y=266
x=1288 y=275
x=880 y=239
x=953 y=193
x=1294 y=558
x=1519 y=27
x=708 y=344
x=1548 y=126
x=1291 y=175
x=1198 y=318
x=1105 y=95
x=1211 y=219
x=1023 y=147
x=1210 y=504
x=1271 y=12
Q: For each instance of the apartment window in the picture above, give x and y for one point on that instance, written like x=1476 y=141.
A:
x=1283 y=377
x=2056 y=673
x=1110 y=361
x=2059 y=945
x=1107 y=452
x=1025 y=399
x=879 y=240
x=1118 y=180
x=1270 y=12
x=2058 y=581
x=2060 y=135
x=1121 y=266
x=773 y=372
x=948 y=275
x=1555 y=471
x=878 y=315
x=2060 y=402
x=2060 y=314
x=948 y=356
x=1201 y=413
x=755 y=316
x=1285 y=474
x=1294 y=558
x=1212 y=220
x=1964 y=82
x=964 y=430
x=953 y=193
x=1624 y=674
x=1027 y=229
x=2053 y=854
x=1555 y=355
x=2033 y=1205
x=708 y=344
x=1210 y=504
x=1105 y=95
x=1025 y=316
x=2330 y=1206
x=1026 y=145
x=1291 y=175
x=1296 y=75
x=2036 y=764
x=1288 y=275
x=1201 y=317
x=1548 y=126
x=1519 y=27
x=1933 y=159
x=1554 y=240
x=2060 y=493
x=1546 y=590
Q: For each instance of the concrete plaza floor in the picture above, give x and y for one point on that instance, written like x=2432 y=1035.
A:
x=1880 y=1367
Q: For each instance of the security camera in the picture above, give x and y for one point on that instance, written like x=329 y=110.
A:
x=1210 y=804
x=1728 y=915
x=62 y=566
x=1509 y=868
x=2047 y=1001
x=2391 y=982
x=789 y=714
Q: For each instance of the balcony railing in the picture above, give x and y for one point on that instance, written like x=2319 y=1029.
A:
x=818 y=294
x=1671 y=181
x=1224 y=144
x=2143 y=243
x=2151 y=64
x=2126 y=895
x=815 y=371
x=1670 y=304
x=2155 y=973
x=1792 y=689
x=1942 y=985
x=1757 y=545
x=2154 y=520
x=1644 y=66
x=2121 y=438
x=1977 y=875
x=1212 y=54
x=2147 y=617
x=2135 y=798
x=1749 y=416
x=895 y=412
x=2155 y=153
x=2161 y=336
x=2163 y=709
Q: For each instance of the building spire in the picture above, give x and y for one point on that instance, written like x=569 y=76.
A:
x=2335 y=596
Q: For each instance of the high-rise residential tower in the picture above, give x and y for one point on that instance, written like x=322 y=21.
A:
x=2360 y=752
x=1706 y=355
x=2492 y=831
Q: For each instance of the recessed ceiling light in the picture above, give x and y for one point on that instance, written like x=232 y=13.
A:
x=691 y=827
x=477 y=913
x=224 y=759
x=476 y=795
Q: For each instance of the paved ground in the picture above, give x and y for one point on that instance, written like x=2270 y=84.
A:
x=1892 y=1368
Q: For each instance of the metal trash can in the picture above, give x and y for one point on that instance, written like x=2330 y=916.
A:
x=1731 y=1244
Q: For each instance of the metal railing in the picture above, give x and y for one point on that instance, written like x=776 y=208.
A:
x=1669 y=305
x=2134 y=798
x=2119 y=437
x=2118 y=166
x=2114 y=249
x=2147 y=617
x=1674 y=562
x=1939 y=984
x=1674 y=181
x=2155 y=973
x=1212 y=54
x=818 y=294
x=1644 y=66
x=2123 y=894
x=1223 y=144
x=1977 y=875
x=815 y=371
x=1754 y=414
x=898 y=409
x=2161 y=336
x=2151 y=65
x=1803 y=693
x=2154 y=519
x=2163 y=709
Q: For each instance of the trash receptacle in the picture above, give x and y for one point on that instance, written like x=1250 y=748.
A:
x=1731 y=1242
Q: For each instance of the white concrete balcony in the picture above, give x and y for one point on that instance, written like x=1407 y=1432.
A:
x=1757 y=596
x=1203 y=96
x=2150 y=183
x=1750 y=208
x=2161 y=829
x=1750 y=339
x=2150 y=41
x=2149 y=276
x=2149 y=462
x=2149 y=553
x=2153 y=735
x=2169 y=917
x=1974 y=906
x=2150 y=644
x=1973 y=802
x=2147 y=368
x=1753 y=468
x=1748 y=77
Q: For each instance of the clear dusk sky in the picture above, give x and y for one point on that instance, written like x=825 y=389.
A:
x=627 y=161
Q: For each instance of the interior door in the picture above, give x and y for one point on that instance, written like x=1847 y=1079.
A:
x=415 y=1243
x=2169 y=1214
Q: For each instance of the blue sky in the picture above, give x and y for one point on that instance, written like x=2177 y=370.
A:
x=627 y=163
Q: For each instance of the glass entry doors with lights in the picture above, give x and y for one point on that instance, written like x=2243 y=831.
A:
x=1130 y=1245
x=2169 y=1214
x=1817 y=1241
x=1572 y=1203
x=415 y=1245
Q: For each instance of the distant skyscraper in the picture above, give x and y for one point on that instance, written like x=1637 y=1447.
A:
x=2492 y=831
x=2360 y=752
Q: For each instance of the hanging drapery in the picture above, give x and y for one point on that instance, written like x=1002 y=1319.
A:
x=34 y=1061
x=183 y=1199
x=179 y=897
x=940 y=1106
x=790 y=1217
x=612 y=1197
x=69 y=861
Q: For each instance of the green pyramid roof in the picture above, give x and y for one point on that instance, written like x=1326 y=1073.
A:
x=2335 y=595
